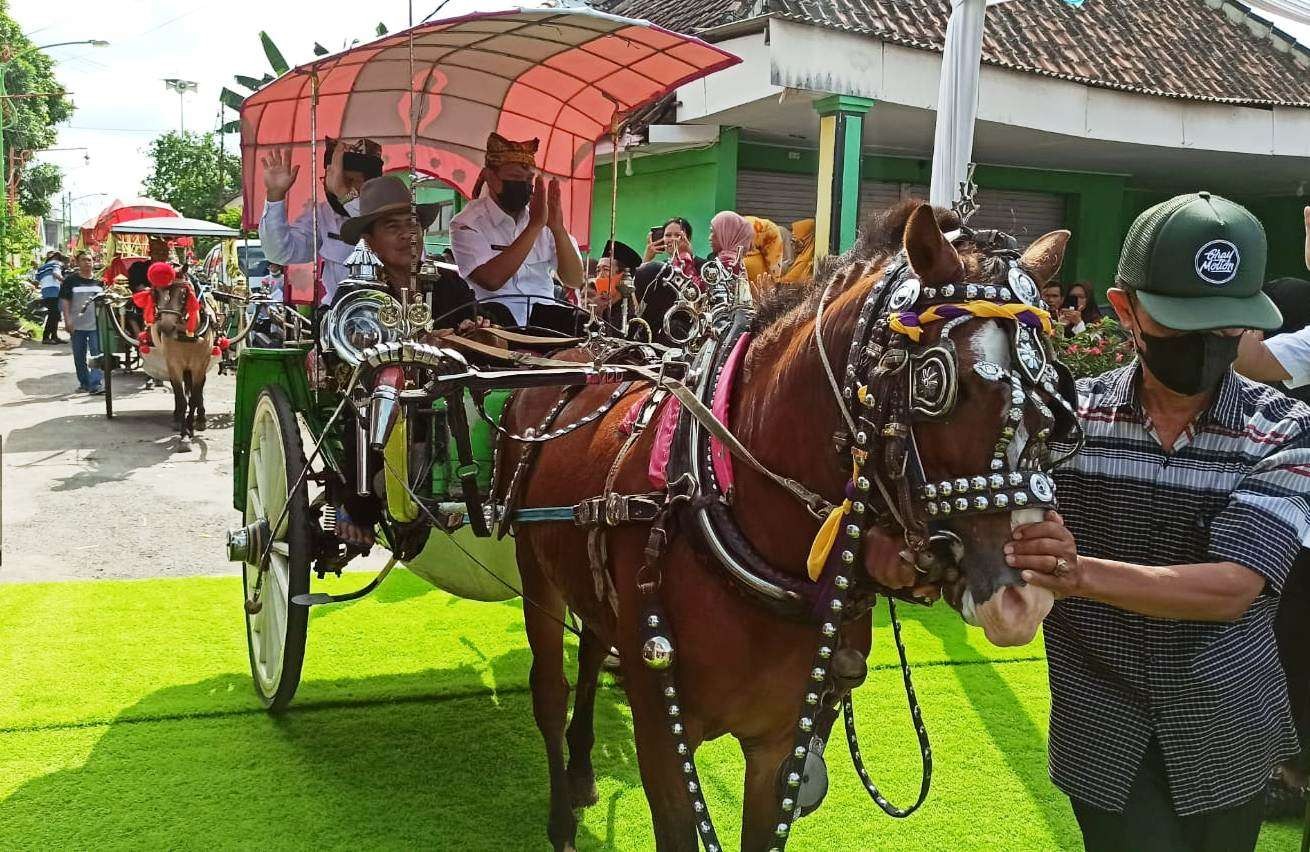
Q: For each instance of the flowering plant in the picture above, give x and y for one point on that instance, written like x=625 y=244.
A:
x=1101 y=346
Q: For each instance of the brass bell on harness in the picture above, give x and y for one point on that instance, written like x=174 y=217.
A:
x=657 y=653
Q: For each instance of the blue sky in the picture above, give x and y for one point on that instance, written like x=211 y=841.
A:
x=119 y=91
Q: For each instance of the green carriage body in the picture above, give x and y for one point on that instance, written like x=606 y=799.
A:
x=285 y=368
x=456 y=561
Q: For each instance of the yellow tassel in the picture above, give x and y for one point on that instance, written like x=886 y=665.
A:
x=823 y=542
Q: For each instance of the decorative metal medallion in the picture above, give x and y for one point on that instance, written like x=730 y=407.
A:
x=1041 y=487
x=1032 y=355
x=904 y=296
x=989 y=371
x=932 y=383
x=1024 y=287
x=389 y=315
x=418 y=315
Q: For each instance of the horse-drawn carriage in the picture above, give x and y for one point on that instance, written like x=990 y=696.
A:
x=601 y=477
x=173 y=330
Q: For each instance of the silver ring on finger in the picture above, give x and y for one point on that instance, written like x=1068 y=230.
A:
x=1061 y=567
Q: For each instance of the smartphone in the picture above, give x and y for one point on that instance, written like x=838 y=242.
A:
x=1070 y=302
x=657 y=234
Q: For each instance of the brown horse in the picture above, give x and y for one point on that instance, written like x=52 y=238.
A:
x=741 y=669
x=187 y=356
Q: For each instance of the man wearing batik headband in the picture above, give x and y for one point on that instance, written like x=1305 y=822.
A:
x=510 y=242
x=346 y=167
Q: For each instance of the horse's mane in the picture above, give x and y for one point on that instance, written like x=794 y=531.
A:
x=880 y=238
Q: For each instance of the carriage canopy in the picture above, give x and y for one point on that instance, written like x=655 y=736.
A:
x=563 y=76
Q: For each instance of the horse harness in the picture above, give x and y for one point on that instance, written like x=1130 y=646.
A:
x=890 y=381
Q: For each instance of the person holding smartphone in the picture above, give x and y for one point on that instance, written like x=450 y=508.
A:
x=1077 y=310
x=673 y=239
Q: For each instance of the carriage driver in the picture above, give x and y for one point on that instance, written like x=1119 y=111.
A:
x=347 y=166
x=386 y=221
x=511 y=240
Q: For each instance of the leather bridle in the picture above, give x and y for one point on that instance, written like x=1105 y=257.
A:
x=892 y=381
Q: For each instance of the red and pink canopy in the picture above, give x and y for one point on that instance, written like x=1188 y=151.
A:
x=563 y=76
x=96 y=229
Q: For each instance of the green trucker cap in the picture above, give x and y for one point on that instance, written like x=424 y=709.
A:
x=1197 y=262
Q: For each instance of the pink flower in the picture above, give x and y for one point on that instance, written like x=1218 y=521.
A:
x=1095 y=350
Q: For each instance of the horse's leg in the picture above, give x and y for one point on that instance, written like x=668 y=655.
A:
x=198 y=401
x=759 y=818
x=544 y=620
x=179 y=402
x=582 y=731
x=189 y=423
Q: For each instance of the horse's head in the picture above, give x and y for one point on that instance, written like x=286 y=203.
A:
x=985 y=397
x=173 y=304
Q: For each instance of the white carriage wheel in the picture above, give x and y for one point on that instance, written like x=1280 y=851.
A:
x=276 y=632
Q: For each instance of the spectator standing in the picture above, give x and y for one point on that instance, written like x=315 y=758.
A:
x=49 y=276
x=674 y=243
x=801 y=270
x=1082 y=312
x=75 y=295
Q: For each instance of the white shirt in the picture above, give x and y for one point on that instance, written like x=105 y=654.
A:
x=1292 y=351
x=293 y=242
x=481 y=231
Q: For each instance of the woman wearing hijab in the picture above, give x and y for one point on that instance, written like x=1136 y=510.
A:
x=731 y=238
x=766 y=250
x=801 y=270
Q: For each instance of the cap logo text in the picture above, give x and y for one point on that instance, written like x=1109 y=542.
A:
x=1217 y=262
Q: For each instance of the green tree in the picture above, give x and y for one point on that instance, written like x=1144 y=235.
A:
x=35 y=104
x=191 y=173
x=37 y=183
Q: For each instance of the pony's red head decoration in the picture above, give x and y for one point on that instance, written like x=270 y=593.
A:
x=161 y=274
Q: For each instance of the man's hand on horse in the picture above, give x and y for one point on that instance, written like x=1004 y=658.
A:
x=1046 y=555
x=279 y=174
x=885 y=558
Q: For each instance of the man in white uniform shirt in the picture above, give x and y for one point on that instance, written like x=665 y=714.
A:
x=511 y=240
x=346 y=167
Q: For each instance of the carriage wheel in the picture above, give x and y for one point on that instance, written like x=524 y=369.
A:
x=275 y=634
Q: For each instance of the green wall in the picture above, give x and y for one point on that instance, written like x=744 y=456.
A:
x=1099 y=207
x=692 y=184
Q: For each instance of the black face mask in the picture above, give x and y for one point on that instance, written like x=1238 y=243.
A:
x=514 y=195
x=1189 y=363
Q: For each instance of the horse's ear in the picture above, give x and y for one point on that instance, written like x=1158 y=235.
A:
x=931 y=255
x=1044 y=256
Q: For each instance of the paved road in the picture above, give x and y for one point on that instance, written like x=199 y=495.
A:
x=86 y=497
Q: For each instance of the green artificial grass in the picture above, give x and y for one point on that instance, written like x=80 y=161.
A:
x=127 y=721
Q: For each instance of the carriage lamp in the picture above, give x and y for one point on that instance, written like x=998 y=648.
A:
x=384 y=406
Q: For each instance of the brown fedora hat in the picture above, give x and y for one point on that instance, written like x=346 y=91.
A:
x=380 y=197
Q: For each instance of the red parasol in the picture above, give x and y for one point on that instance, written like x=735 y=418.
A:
x=96 y=229
x=560 y=75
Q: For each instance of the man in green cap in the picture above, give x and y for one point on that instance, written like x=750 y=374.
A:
x=1179 y=520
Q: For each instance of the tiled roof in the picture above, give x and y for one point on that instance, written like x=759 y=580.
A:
x=1188 y=49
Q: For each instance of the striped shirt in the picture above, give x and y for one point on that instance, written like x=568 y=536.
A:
x=1234 y=489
